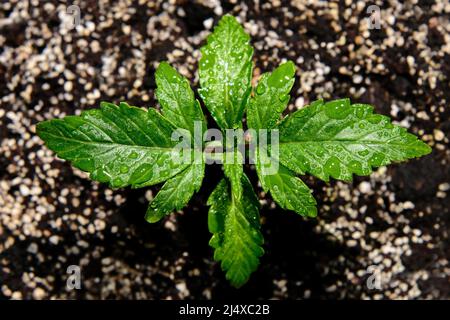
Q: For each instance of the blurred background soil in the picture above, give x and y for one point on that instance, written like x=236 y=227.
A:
x=395 y=222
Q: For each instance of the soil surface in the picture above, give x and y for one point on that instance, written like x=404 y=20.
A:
x=393 y=224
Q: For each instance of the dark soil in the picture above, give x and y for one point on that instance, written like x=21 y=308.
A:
x=52 y=216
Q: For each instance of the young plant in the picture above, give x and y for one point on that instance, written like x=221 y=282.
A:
x=128 y=146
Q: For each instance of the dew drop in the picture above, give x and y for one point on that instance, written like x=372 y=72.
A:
x=363 y=153
x=124 y=169
x=283 y=98
x=356 y=166
x=261 y=88
x=255 y=234
x=320 y=152
x=133 y=155
x=275 y=188
x=336 y=109
x=333 y=166
x=117 y=182
x=160 y=161
x=376 y=160
x=360 y=113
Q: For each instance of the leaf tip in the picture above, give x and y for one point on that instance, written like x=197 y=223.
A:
x=228 y=18
x=289 y=67
x=40 y=127
x=105 y=104
x=163 y=66
x=153 y=214
x=424 y=148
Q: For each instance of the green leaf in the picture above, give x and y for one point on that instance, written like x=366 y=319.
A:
x=265 y=109
x=235 y=226
x=177 y=99
x=176 y=192
x=120 y=145
x=234 y=169
x=271 y=97
x=289 y=191
x=338 y=139
x=225 y=72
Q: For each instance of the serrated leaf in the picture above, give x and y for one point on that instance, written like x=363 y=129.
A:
x=235 y=226
x=225 y=72
x=289 y=191
x=336 y=139
x=120 y=145
x=176 y=192
x=177 y=99
x=271 y=97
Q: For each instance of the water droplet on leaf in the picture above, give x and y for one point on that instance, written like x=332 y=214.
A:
x=363 y=153
x=360 y=113
x=117 y=182
x=336 y=109
x=283 y=98
x=261 y=88
x=333 y=166
x=376 y=160
x=133 y=155
x=356 y=167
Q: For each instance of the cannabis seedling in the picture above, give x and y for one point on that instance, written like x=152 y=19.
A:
x=128 y=146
